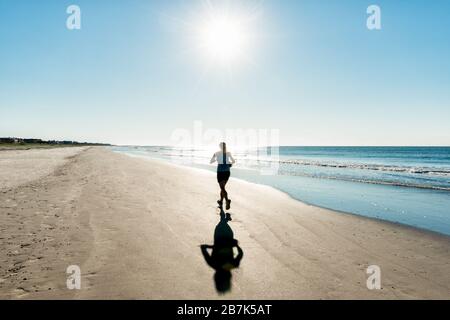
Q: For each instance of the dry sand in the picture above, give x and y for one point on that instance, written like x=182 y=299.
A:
x=134 y=227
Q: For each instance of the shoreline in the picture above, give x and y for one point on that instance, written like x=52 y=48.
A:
x=393 y=223
x=125 y=221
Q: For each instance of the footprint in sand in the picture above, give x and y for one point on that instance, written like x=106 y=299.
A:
x=20 y=292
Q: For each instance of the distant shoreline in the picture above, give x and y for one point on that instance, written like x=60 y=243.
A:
x=12 y=147
x=14 y=143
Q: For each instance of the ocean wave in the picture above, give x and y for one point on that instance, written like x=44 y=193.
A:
x=373 y=167
x=391 y=175
x=195 y=154
x=419 y=170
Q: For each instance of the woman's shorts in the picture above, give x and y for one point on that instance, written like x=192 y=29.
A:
x=223 y=176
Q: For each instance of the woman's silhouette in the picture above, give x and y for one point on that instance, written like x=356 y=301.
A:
x=224 y=162
x=222 y=258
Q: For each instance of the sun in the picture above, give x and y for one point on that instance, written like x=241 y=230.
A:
x=225 y=33
x=224 y=39
x=220 y=34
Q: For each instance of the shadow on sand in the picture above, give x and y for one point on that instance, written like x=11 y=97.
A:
x=222 y=258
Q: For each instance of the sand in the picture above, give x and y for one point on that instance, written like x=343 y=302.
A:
x=21 y=166
x=135 y=227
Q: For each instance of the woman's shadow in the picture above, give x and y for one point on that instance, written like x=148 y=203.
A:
x=222 y=257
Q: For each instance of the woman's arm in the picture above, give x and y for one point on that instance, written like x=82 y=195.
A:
x=213 y=159
x=232 y=159
x=206 y=254
x=239 y=256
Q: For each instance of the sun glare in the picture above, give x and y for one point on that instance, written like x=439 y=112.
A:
x=223 y=32
x=223 y=39
x=220 y=34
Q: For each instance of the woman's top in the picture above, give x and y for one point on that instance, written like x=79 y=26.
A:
x=224 y=161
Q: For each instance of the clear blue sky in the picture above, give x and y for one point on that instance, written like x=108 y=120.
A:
x=317 y=73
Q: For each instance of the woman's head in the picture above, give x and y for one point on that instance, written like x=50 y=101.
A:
x=222 y=278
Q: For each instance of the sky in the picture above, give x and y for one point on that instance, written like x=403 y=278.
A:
x=138 y=71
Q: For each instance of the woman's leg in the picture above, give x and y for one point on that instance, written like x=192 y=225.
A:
x=223 y=192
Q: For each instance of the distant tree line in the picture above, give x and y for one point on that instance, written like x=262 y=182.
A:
x=49 y=142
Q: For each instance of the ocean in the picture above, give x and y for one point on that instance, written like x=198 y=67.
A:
x=407 y=185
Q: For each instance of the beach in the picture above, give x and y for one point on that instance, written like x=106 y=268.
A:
x=134 y=227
